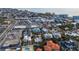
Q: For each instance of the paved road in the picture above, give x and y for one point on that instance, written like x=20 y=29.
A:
x=5 y=32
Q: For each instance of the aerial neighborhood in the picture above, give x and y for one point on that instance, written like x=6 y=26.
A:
x=23 y=30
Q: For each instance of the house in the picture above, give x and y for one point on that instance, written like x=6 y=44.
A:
x=44 y=30
x=27 y=38
x=76 y=19
x=56 y=34
x=48 y=35
x=38 y=39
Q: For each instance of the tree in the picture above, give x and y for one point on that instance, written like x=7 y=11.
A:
x=77 y=25
x=1 y=20
x=70 y=26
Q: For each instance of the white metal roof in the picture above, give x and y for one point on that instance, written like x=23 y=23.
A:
x=20 y=26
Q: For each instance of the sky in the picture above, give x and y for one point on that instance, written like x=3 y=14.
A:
x=69 y=11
